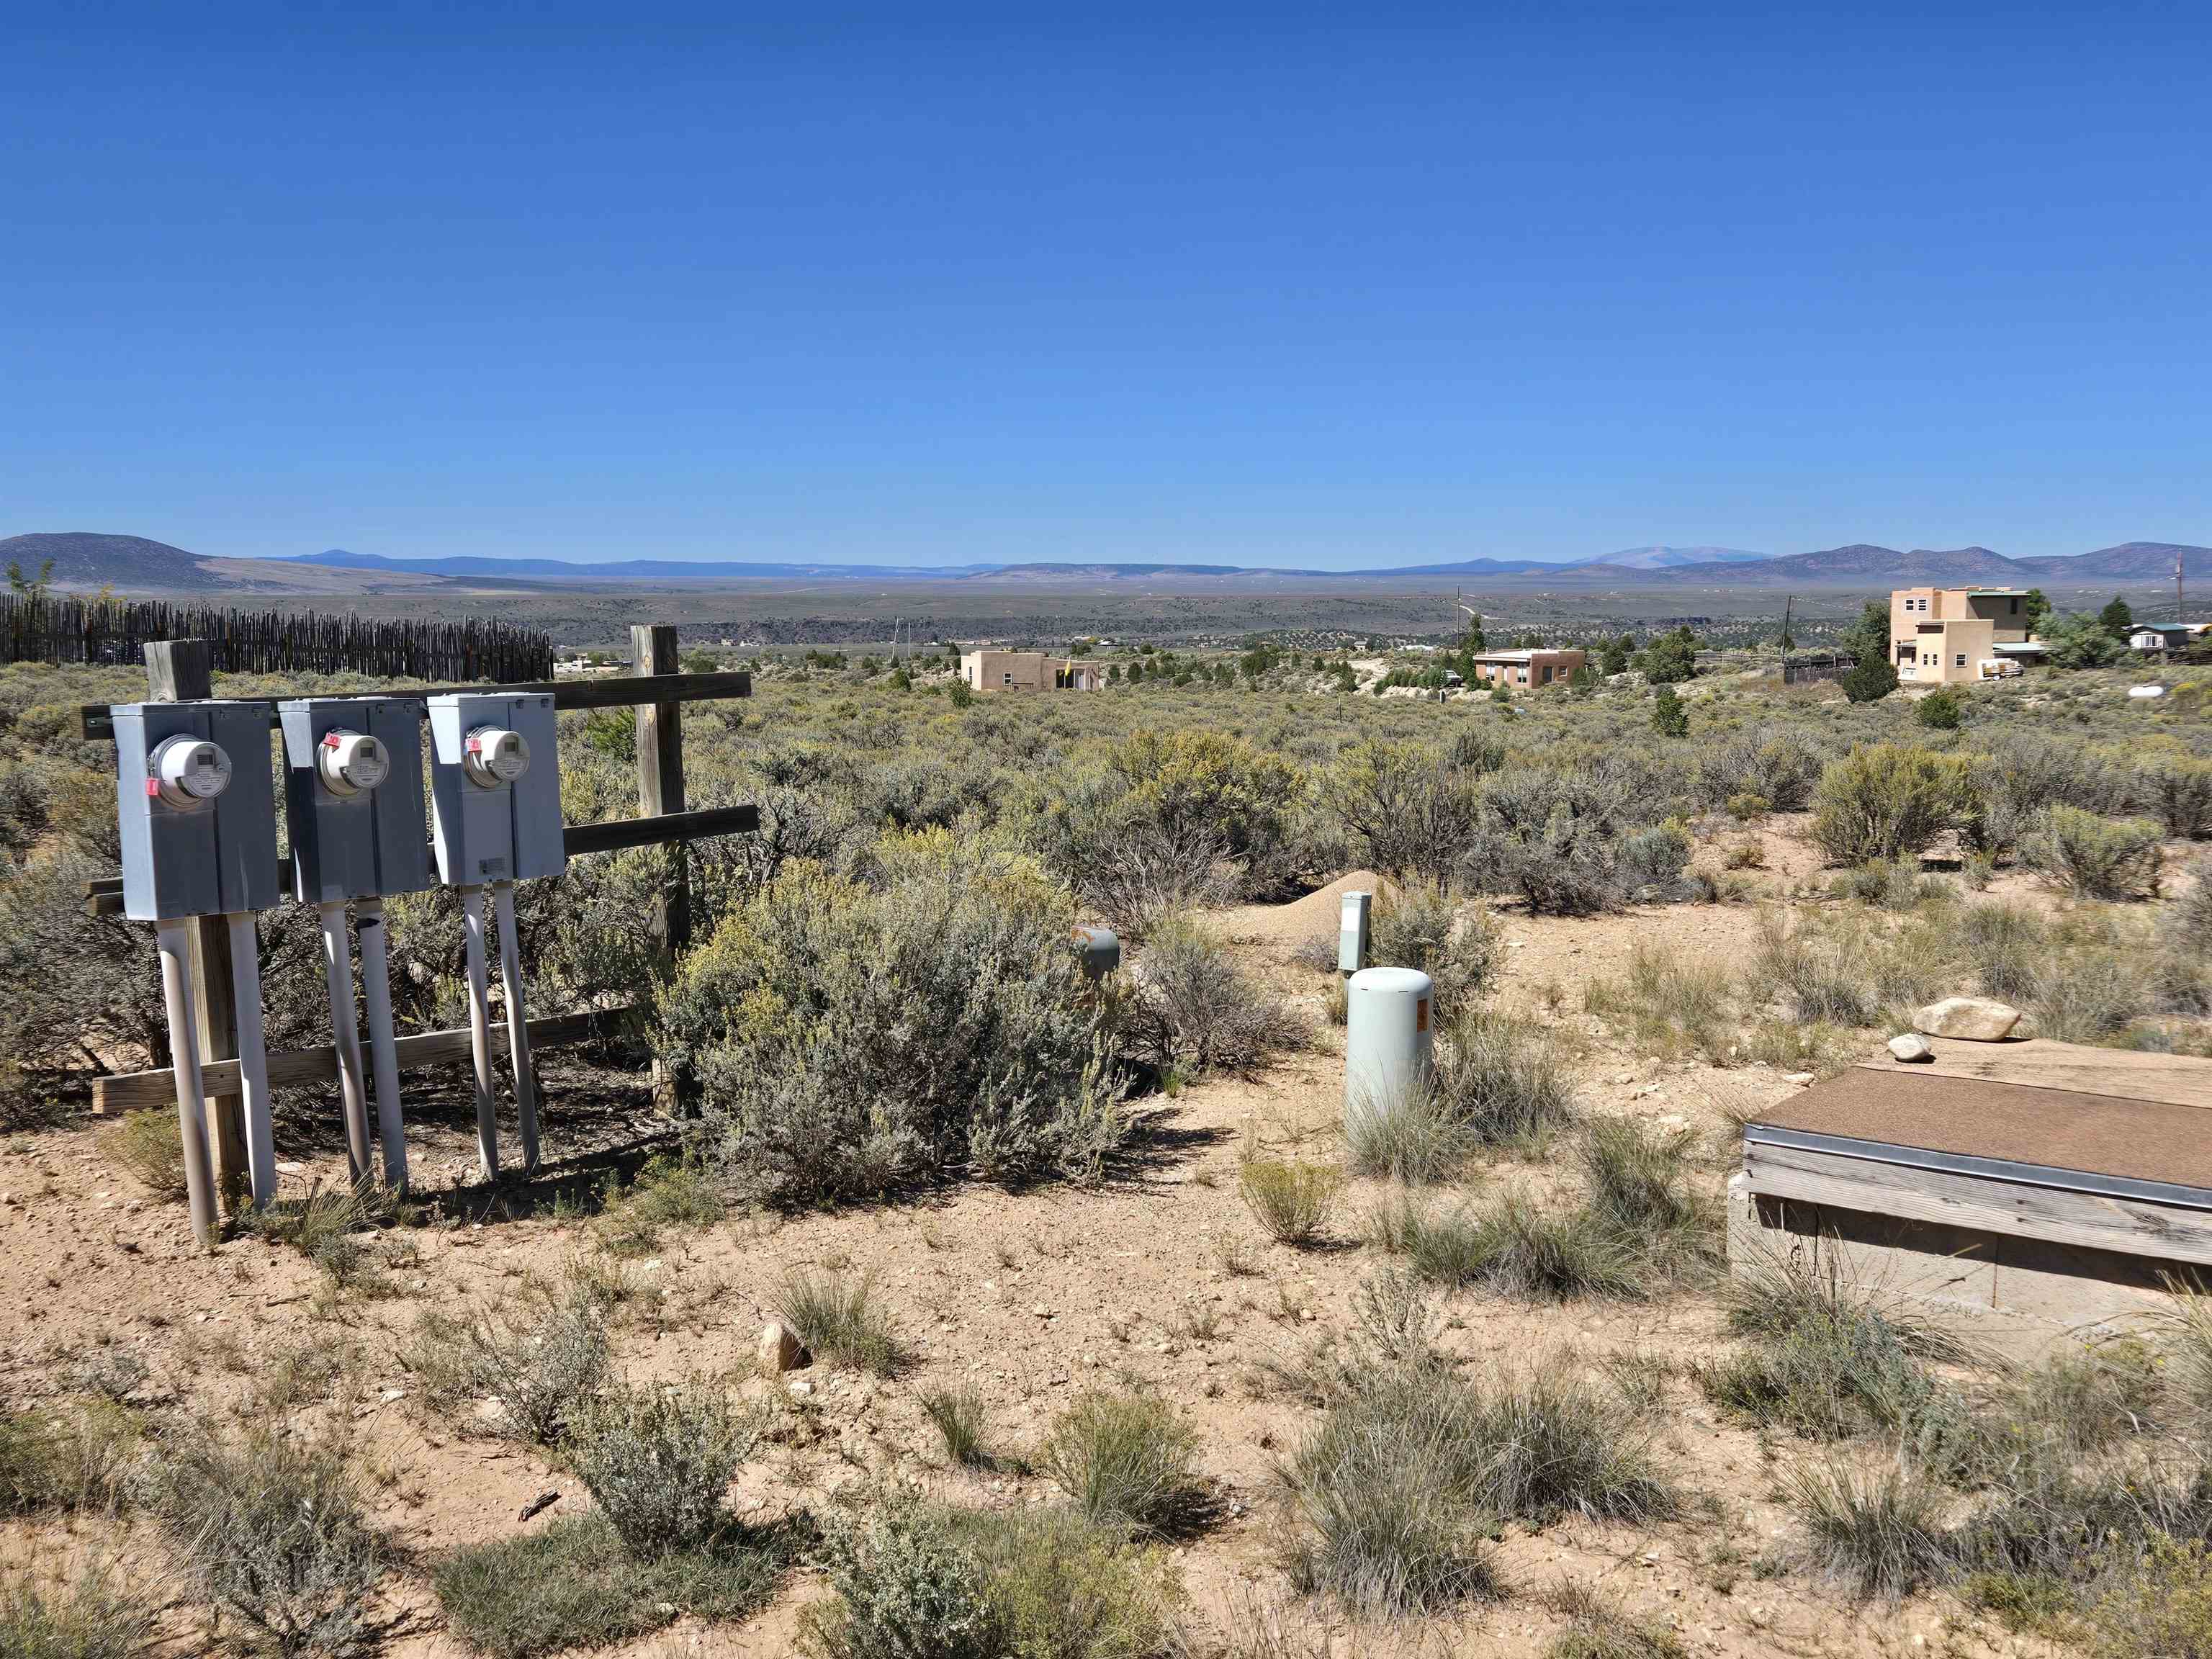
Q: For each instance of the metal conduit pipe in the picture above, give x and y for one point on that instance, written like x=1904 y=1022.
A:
x=518 y=1029
x=473 y=926
x=383 y=1056
x=175 y=947
x=345 y=1034
x=252 y=1058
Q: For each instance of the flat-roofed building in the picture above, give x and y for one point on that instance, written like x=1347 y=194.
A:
x=1941 y=635
x=1525 y=669
x=1028 y=671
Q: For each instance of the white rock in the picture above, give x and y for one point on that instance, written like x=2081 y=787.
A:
x=1797 y=1076
x=780 y=1350
x=1910 y=1046
x=1976 y=1019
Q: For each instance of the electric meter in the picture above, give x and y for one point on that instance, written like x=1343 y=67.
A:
x=187 y=772
x=350 y=762
x=494 y=757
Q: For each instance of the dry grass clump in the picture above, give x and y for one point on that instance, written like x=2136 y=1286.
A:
x=88 y=1618
x=1515 y=1245
x=1497 y=1080
x=1413 y=1464
x=1670 y=1003
x=56 y=1459
x=2005 y=943
x=1639 y=1183
x=1600 y=1627
x=270 y=1527
x=148 y=1144
x=839 y=1318
x=542 y=1358
x=1826 y=1358
x=1877 y=1531
x=960 y=1419
x=1291 y=1198
x=1127 y=1460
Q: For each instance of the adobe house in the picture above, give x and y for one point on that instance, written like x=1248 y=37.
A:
x=1943 y=635
x=1529 y=670
x=1028 y=671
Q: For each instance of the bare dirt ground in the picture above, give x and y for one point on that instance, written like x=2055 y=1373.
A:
x=1160 y=1278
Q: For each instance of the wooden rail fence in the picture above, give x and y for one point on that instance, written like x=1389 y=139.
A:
x=59 y=629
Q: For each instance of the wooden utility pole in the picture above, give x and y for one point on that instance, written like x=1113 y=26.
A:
x=659 y=791
x=182 y=671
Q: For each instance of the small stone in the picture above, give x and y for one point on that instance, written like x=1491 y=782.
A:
x=800 y=1386
x=1799 y=1078
x=1975 y=1019
x=780 y=1350
x=1910 y=1046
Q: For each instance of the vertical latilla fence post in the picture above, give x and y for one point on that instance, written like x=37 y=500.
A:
x=660 y=791
x=181 y=671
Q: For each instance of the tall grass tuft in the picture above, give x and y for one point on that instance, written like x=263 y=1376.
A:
x=1292 y=1200
x=1877 y=1532
x=1127 y=1460
x=839 y=1318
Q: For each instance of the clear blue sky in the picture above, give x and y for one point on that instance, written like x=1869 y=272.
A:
x=1333 y=285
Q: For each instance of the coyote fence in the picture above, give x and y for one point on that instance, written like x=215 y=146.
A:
x=59 y=629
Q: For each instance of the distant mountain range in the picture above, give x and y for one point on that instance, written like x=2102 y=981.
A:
x=134 y=564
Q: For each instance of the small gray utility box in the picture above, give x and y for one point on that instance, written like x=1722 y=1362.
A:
x=353 y=797
x=196 y=808
x=496 y=788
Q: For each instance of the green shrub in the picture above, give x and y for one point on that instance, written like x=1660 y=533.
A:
x=659 y=1461
x=1127 y=1460
x=1411 y=809
x=90 y=1618
x=2159 y=1608
x=2086 y=996
x=1940 y=710
x=1417 y=924
x=669 y=1192
x=1195 y=782
x=1192 y=1009
x=2094 y=857
x=904 y=1586
x=1884 y=800
x=2179 y=788
x=1823 y=981
x=839 y=1320
x=270 y=1528
x=850 y=1039
x=1288 y=1197
x=916 y=1581
x=573 y=1584
x=1499 y=1079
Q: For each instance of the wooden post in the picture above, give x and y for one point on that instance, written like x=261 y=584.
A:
x=660 y=791
x=660 y=773
x=182 y=671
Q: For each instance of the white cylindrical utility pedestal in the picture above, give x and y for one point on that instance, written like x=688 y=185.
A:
x=1098 y=950
x=1388 y=1040
x=252 y=1058
x=383 y=1054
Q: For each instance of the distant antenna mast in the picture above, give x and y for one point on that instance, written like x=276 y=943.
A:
x=2179 y=615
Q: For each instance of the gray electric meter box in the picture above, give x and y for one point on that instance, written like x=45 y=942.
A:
x=496 y=788
x=196 y=808
x=353 y=797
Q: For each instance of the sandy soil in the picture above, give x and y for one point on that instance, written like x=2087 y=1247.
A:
x=1028 y=1297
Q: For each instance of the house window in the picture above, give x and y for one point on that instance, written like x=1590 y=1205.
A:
x=2012 y=606
x=1006 y=679
x=1962 y=660
x=1547 y=675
